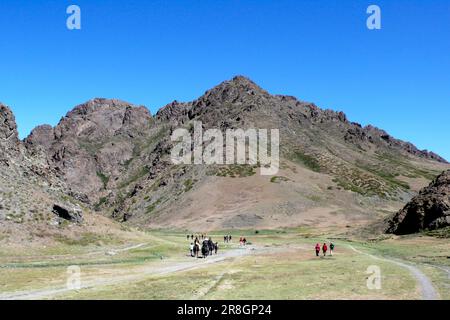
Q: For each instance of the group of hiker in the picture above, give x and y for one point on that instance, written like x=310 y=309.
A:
x=243 y=241
x=197 y=236
x=207 y=247
x=324 y=248
x=202 y=246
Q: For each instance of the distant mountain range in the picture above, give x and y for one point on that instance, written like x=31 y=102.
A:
x=113 y=157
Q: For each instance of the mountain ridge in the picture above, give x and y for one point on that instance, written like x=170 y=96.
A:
x=114 y=157
x=244 y=84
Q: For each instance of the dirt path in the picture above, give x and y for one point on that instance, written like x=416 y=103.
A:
x=110 y=251
x=443 y=268
x=427 y=289
x=171 y=267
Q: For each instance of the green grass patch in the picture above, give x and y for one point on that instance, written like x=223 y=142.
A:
x=100 y=203
x=388 y=177
x=188 y=184
x=234 y=171
x=91 y=147
x=85 y=239
x=128 y=162
x=307 y=160
x=136 y=176
x=349 y=186
x=408 y=170
x=153 y=206
x=278 y=179
x=443 y=233
x=104 y=178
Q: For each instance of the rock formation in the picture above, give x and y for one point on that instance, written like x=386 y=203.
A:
x=429 y=210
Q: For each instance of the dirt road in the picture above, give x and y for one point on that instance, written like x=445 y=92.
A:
x=427 y=289
x=171 y=267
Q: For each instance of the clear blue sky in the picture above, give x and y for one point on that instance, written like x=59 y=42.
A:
x=152 y=52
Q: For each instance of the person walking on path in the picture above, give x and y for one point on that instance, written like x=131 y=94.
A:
x=324 y=249
x=317 y=249
x=196 y=249
x=191 y=248
x=331 y=248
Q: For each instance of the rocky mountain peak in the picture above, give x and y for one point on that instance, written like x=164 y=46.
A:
x=9 y=137
x=98 y=104
x=242 y=84
x=243 y=81
x=176 y=112
x=235 y=90
x=8 y=127
x=99 y=118
x=92 y=142
x=42 y=135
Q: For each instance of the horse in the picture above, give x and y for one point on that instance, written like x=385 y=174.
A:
x=205 y=249
x=210 y=246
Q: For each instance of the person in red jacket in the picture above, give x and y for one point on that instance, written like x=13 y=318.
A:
x=317 y=249
x=324 y=249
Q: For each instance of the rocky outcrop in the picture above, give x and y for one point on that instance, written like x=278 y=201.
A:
x=8 y=127
x=175 y=112
x=89 y=145
x=428 y=210
x=9 y=138
x=101 y=118
x=41 y=136
x=28 y=185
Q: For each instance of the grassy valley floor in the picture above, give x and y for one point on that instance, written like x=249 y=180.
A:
x=276 y=265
